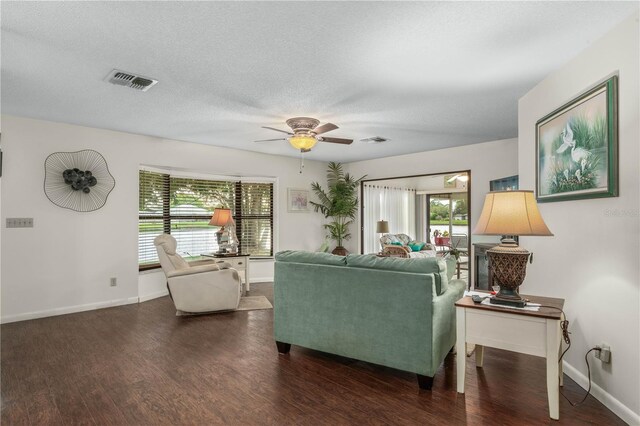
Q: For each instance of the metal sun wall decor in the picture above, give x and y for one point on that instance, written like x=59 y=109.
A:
x=78 y=180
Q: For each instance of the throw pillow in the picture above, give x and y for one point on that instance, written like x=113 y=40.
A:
x=416 y=246
x=397 y=243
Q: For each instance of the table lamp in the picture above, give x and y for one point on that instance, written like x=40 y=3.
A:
x=222 y=218
x=510 y=213
x=382 y=227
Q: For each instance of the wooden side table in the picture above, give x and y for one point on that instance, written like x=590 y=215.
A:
x=528 y=332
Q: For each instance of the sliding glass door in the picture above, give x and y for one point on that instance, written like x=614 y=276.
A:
x=438 y=216
x=447 y=215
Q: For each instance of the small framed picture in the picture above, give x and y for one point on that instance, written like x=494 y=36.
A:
x=297 y=200
x=504 y=184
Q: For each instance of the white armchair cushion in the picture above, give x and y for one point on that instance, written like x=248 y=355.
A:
x=168 y=244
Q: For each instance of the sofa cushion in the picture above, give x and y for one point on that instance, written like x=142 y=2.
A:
x=392 y=238
x=294 y=256
x=404 y=238
x=418 y=266
x=422 y=254
x=428 y=265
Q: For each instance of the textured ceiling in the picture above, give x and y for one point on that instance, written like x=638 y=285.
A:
x=425 y=75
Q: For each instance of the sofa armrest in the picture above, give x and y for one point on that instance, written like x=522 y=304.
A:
x=395 y=250
x=444 y=319
x=429 y=246
x=459 y=287
x=194 y=270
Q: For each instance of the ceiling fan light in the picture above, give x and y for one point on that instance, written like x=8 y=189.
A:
x=305 y=142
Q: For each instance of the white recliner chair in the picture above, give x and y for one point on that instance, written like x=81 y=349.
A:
x=204 y=288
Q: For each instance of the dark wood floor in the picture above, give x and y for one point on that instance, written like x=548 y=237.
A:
x=141 y=365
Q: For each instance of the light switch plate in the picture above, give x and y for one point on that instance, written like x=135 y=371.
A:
x=19 y=222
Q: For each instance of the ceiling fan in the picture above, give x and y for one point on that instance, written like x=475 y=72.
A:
x=462 y=177
x=306 y=133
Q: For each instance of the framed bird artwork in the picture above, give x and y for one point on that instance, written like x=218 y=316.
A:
x=577 y=147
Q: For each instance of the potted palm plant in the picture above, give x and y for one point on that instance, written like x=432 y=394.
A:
x=339 y=202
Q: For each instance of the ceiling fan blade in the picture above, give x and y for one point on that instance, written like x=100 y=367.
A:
x=269 y=140
x=336 y=140
x=277 y=130
x=453 y=178
x=327 y=127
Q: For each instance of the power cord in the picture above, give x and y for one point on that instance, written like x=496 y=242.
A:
x=586 y=359
x=564 y=325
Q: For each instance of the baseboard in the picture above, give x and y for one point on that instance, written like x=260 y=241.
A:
x=153 y=295
x=99 y=305
x=163 y=293
x=68 y=310
x=618 y=408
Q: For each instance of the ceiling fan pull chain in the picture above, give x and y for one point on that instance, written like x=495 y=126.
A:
x=301 y=161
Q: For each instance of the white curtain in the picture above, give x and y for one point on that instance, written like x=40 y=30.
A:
x=421 y=218
x=395 y=205
x=371 y=206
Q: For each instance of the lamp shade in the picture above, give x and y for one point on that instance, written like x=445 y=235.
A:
x=221 y=217
x=382 y=227
x=511 y=213
x=302 y=141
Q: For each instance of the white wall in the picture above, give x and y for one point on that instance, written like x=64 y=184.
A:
x=64 y=263
x=592 y=262
x=487 y=161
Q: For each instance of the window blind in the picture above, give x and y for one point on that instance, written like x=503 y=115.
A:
x=254 y=218
x=183 y=207
x=153 y=192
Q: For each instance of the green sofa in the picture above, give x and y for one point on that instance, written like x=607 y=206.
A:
x=390 y=311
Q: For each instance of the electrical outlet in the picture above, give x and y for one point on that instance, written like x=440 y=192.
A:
x=19 y=222
x=114 y=282
x=604 y=353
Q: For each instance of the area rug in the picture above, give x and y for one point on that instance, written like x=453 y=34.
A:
x=254 y=303
x=249 y=303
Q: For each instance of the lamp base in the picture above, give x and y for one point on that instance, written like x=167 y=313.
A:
x=508 y=262
x=508 y=302
x=508 y=297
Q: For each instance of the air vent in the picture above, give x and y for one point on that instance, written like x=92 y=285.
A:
x=133 y=81
x=374 y=139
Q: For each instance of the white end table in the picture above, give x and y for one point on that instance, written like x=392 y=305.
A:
x=239 y=262
x=528 y=332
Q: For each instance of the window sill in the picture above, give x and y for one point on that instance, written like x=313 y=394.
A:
x=202 y=262
x=149 y=271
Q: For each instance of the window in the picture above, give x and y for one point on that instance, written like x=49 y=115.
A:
x=183 y=207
